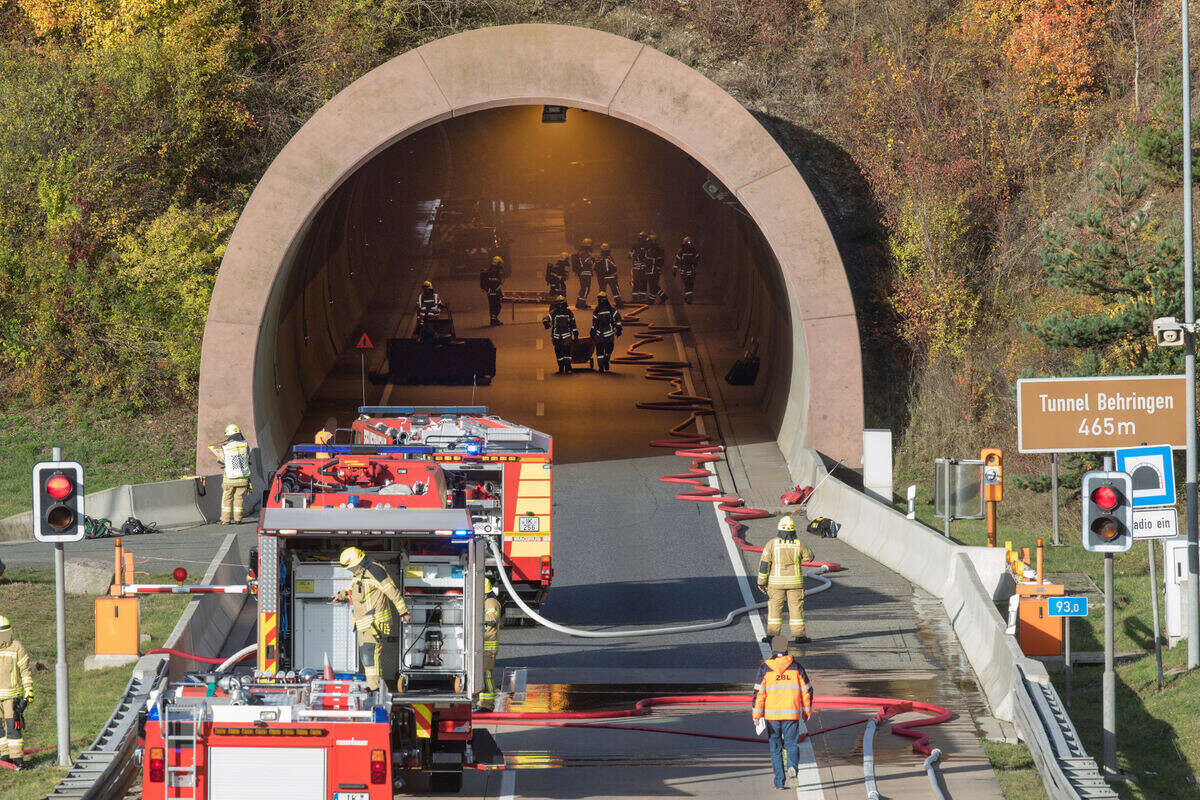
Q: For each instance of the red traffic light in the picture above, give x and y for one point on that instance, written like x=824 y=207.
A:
x=59 y=487
x=1105 y=497
x=180 y=574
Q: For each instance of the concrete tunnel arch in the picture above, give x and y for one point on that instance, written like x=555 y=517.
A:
x=528 y=65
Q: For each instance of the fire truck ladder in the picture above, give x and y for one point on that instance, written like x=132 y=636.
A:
x=181 y=736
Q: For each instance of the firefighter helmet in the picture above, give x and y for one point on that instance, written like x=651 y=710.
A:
x=427 y=285
x=564 y=255
x=787 y=524
x=604 y=246
x=587 y=242
x=497 y=261
x=641 y=234
x=5 y=631
x=602 y=295
x=488 y=588
x=352 y=557
x=560 y=297
x=652 y=237
x=231 y=429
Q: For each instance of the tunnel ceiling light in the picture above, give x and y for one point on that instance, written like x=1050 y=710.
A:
x=554 y=114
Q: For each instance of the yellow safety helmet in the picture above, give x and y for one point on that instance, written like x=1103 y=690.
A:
x=5 y=631
x=641 y=234
x=687 y=240
x=351 y=557
x=787 y=524
x=604 y=246
x=564 y=255
x=497 y=260
x=427 y=285
x=487 y=585
x=560 y=297
x=232 y=429
x=602 y=294
x=653 y=237
x=587 y=242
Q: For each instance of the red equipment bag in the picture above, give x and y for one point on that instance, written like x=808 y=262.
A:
x=796 y=496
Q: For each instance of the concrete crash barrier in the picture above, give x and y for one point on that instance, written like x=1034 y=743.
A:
x=967 y=580
x=165 y=504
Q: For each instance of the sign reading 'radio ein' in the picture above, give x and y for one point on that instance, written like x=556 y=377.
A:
x=1062 y=415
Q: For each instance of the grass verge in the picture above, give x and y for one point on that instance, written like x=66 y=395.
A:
x=113 y=449
x=1158 y=740
x=27 y=598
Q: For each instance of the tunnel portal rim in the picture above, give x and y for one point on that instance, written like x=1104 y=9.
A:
x=577 y=67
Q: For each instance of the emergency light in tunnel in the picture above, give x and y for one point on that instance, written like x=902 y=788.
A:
x=552 y=114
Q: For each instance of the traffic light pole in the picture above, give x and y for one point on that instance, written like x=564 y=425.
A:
x=1109 y=685
x=62 y=700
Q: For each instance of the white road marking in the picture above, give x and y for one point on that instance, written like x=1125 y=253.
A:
x=540 y=344
x=808 y=778
x=508 y=784
x=541 y=374
x=541 y=409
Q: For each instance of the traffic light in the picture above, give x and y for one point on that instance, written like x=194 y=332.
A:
x=58 y=501
x=1107 y=512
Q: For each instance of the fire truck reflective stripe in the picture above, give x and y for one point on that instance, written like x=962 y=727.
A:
x=528 y=549
x=423 y=716
x=540 y=506
x=268 y=638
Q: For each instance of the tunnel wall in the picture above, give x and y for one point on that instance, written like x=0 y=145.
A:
x=241 y=378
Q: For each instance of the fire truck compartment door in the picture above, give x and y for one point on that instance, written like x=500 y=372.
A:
x=321 y=626
x=422 y=520
x=297 y=773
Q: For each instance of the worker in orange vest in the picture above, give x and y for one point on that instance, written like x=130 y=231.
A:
x=783 y=701
x=325 y=436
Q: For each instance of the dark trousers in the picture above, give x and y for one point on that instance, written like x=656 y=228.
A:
x=585 y=286
x=494 y=304
x=639 y=285
x=604 y=349
x=654 y=292
x=689 y=284
x=784 y=735
x=557 y=288
x=562 y=351
x=610 y=285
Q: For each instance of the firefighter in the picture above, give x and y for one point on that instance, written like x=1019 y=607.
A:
x=16 y=693
x=606 y=327
x=563 y=332
x=491 y=644
x=583 y=263
x=637 y=259
x=490 y=281
x=606 y=275
x=429 y=307
x=372 y=595
x=655 y=258
x=687 y=261
x=556 y=275
x=325 y=436
x=783 y=702
x=233 y=455
x=781 y=576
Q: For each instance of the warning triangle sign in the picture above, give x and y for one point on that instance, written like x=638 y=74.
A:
x=364 y=343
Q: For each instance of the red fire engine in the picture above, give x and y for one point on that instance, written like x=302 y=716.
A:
x=304 y=725
x=500 y=471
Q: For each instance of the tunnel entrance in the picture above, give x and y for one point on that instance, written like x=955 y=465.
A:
x=391 y=183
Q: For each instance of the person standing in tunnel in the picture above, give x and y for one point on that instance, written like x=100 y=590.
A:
x=325 y=436
x=637 y=260
x=233 y=455
x=655 y=259
x=687 y=261
x=563 y=332
x=606 y=274
x=556 y=275
x=606 y=327
x=429 y=306
x=491 y=280
x=583 y=263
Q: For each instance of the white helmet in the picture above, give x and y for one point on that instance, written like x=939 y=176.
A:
x=232 y=429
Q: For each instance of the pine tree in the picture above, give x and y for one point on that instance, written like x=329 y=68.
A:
x=1124 y=269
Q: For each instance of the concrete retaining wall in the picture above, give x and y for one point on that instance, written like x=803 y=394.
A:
x=208 y=619
x=966 y=579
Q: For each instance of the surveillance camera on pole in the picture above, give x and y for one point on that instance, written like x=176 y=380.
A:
x=1107 y=512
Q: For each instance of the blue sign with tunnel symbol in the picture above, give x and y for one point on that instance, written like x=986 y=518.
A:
x=1152 y=473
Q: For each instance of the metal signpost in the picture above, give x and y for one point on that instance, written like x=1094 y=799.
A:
x=1067 y=607
x=364 y=344
x=58 y=517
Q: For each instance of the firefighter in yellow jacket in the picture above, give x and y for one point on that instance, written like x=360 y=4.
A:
x=781 y=576
x=16 y=693
x=233 y=454
x=373 y=596
x=491 y=643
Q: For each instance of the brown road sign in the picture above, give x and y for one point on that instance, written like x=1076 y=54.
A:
x=1061 y=415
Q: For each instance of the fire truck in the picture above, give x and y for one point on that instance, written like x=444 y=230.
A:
x=304 y=724
x=501 y=472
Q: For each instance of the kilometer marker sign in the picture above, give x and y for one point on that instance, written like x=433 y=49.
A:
x=1062 y=415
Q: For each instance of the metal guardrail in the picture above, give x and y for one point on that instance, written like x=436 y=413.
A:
x=1068 y=773
x=105 y=770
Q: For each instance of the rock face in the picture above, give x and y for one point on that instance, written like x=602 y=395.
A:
x=88 y=577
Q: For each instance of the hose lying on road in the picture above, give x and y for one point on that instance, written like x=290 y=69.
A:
x=816 y=574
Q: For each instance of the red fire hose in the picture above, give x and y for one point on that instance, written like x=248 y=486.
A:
x=171 y=651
